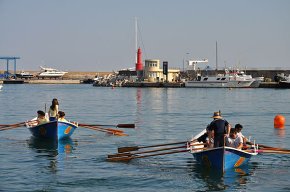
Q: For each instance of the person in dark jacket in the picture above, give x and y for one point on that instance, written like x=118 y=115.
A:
x=220 y=128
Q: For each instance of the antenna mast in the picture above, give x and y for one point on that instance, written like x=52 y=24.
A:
x=136 y=39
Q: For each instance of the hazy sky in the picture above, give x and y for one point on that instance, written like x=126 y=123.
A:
x=99 y=35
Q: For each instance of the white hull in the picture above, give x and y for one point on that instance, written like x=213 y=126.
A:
x=50 y=73
x=256 y=83
x=1 y=87
x=53 y=74
x=236 y=79
x=219 y=84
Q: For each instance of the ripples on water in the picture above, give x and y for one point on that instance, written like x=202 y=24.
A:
x=161 y=116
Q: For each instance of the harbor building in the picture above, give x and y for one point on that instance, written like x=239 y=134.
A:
x=154 y=73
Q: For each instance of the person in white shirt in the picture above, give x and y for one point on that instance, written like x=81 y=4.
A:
x=238 y=128
x=61 y=116
x=233 y=140
x=53 y=110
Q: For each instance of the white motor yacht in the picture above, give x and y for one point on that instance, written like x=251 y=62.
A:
x=50 y=73
x=227 y=80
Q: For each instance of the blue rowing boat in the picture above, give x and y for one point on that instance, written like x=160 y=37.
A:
x=56 y=130
x=222 y=158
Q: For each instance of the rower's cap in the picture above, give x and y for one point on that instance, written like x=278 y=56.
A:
x=216 y=115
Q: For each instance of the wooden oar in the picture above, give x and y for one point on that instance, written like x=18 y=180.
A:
x=16 y=125
x=270 y=151
x=260 y=145
x=155 y=150
x=8 y=128
x=135 y=148
x=118 y=125
x=111 y=131
x=150 y=151
x=266 y=147
x=128 y=158
x=12 y=125
x=276 y=149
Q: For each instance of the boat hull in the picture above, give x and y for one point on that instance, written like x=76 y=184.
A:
x=53 y=130
x=218 y=84
x=24 y=75
x=284 y=84
x=222 y=158
x=51 y=75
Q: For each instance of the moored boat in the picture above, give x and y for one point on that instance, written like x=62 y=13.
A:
x=24 y=75
x=227 y=80
x=284 y=84
x=241 y=75
x=52 y=130
x=50 y=73
x=283 y=80
x=1 y=86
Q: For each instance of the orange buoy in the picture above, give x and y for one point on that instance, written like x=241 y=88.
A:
x=279 y=122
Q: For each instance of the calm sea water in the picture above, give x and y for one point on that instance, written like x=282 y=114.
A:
x=161 y=115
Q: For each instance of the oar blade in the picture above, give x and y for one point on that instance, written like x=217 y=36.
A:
x=120 y=155
x=107 y=130
x=120 y=134
x=116 y=159
x=115 y=130
x=126 y=126
x=127 y=149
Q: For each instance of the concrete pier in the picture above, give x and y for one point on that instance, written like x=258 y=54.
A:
x=269 y=85
x=13 y=81
x=52 y=81
x=153 y=84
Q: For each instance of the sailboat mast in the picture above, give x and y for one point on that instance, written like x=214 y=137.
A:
x=216 y=57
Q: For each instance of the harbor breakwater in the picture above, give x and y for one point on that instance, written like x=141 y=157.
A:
x=81 y=77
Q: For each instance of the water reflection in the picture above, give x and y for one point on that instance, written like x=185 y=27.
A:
x=51 y=147
x=215 y=181
x=280 y=132
x=55 y=152
x=139 y=109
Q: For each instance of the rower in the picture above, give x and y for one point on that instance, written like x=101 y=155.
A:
x=61 y=116
x=209 y=141
x=238 y=128
x=233 y=140
x=41 y=117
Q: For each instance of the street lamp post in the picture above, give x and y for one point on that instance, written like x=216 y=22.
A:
x=186 y=58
